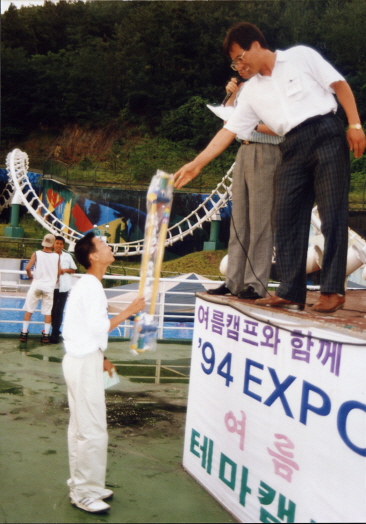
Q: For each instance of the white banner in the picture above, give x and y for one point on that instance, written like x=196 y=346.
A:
x=276 y=421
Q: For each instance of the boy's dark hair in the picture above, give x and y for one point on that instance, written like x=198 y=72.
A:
x=59 y=237
x=243 y=34
x=83 y=248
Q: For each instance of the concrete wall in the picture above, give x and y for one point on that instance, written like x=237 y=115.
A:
x=10 y=263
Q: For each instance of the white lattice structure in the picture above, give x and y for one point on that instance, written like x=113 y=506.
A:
x=18 y=168
x=17 y=165
x=6 y=196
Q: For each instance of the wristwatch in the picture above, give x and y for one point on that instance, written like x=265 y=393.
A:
x=355 y=126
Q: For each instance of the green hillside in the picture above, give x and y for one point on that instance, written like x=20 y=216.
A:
x=116 y=90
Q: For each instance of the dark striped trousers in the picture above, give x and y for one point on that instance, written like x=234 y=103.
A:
x=315 y=167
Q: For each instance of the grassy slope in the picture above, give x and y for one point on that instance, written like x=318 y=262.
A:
x=204 y=263
x=201 y=262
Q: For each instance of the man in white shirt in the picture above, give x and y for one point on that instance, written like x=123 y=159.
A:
x=85 y=334
x=61 y=291
x=292 y=92
x=46 y=270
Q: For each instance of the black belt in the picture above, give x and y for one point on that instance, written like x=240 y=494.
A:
x=247 y=142
x=311 y=120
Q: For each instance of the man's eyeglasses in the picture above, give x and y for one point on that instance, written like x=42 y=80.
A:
x=238 y=61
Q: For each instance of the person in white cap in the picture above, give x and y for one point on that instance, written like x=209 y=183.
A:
x=44 y=278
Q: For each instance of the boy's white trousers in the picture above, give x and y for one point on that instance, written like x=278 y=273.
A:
x=87 y=432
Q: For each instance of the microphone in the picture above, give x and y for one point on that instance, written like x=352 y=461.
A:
x=229 y=94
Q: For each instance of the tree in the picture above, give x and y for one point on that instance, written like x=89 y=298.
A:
x=145 y=65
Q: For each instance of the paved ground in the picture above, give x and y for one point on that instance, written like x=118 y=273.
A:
x=146 y=428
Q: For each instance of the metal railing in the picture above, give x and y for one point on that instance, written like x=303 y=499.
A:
x=357 y=196
x=22 y=248
x=107 y=175
x=179 y=314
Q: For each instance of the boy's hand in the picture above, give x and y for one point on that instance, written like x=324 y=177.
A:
x=137 y=305
x=108 y=366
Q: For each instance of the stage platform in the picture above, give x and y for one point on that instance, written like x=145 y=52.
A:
x=350 y=320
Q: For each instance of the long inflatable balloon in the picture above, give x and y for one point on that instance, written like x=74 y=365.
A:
x=159 y=202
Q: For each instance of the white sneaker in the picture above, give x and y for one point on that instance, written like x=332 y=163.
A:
x=106 y=494
x=89 y=504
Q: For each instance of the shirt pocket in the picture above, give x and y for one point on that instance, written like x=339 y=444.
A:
x=294 y=88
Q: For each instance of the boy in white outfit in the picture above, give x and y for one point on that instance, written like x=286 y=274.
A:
x=44 y=278
x=85 y=334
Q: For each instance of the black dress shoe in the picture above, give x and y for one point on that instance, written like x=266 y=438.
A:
x=222 y=290
x=249 y=293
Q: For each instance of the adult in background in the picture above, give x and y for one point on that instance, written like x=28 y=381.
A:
x=85 y=334
x=292 y=92
x=251 y=233
x=46 y=270
x=61 y=291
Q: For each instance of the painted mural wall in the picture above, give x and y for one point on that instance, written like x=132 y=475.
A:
x=124 y=212
x=81 y=208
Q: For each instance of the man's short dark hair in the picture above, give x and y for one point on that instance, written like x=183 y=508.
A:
x=59 y=237
x=84 y=248
x=243 y=34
